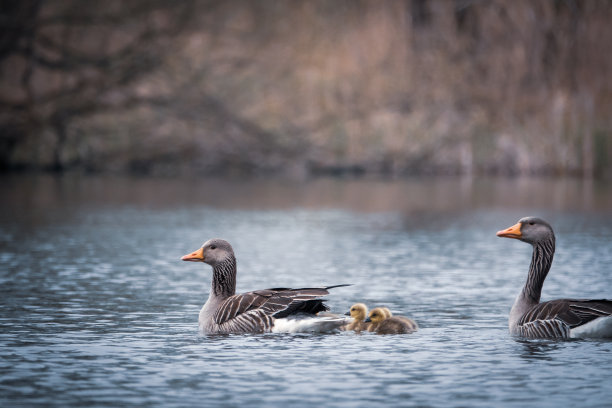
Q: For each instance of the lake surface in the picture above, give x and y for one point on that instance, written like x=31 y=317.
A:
x=98 y=310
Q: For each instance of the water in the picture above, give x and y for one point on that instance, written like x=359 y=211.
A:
x=97 y=309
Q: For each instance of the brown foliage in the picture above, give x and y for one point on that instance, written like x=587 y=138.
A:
x=394 y=87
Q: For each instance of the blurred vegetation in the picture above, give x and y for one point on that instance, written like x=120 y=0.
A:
x=307 y=87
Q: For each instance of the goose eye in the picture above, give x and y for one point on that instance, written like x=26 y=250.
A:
x=213 y=247
x=531 y=223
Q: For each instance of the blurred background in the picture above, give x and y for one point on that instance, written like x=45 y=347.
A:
x=306 y=88
x=372 y=142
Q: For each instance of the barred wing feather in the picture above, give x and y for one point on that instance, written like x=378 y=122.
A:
x=258 y=309
x=557 y=317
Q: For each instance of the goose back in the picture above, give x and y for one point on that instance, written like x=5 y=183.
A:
x=256 y=311
x=557 y=318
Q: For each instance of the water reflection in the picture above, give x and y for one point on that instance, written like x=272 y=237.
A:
x=538 y=349
x=34 y=193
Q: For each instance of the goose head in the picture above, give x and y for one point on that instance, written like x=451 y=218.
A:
x=213 y=252
x=529 y=229
x=377 y=315
x=358 y=311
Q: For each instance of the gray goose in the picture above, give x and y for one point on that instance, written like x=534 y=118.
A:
x=260 y=311
x=561 y=318
x=381 y=322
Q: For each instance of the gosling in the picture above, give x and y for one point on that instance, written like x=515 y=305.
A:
x=382 y=324
x=409 y=320
x=381 y=313
x=358 y=312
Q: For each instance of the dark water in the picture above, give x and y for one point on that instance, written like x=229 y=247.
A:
x=97 y=309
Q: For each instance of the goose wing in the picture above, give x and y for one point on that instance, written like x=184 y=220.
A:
x=261 y=306
x=556 y=317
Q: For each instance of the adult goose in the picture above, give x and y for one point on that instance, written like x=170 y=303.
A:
x=267 y=310
x=383 y=323
x=561 y=318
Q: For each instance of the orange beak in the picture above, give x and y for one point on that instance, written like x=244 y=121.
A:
x=512 y=232
x=197 y=256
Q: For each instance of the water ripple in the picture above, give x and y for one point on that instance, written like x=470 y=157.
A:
x=102 y=312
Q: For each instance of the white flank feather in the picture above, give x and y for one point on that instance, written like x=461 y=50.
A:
x=314 y=324
x=600 y=327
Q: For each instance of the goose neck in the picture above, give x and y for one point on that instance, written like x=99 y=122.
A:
x=541 y=261
x=224 y=278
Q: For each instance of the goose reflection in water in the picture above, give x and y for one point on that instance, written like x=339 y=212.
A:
x=538 y=349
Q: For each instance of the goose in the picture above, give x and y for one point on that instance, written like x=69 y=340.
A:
x=268 y=310
x=384 y=312
x=382 y=323
x=358 y=312
x=561 y=318
x=387 y=311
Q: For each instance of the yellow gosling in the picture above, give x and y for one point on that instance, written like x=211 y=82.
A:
x=376 y=316
x=381 y=324
x=358 y=312
x=380 y=313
